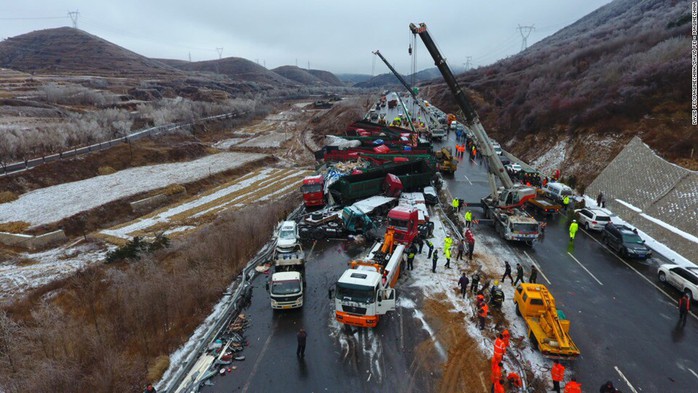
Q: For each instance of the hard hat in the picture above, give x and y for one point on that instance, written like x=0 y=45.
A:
x=574 y=220
x=496 y=282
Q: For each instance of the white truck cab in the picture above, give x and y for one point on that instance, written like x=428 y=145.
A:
x=287 y=236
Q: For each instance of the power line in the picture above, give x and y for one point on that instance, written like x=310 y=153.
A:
x=35 y=18
x=74 y=17
x=525 y=31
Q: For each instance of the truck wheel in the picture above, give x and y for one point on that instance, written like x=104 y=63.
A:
x=518 y=312
x=318 y=234
x=534 y=340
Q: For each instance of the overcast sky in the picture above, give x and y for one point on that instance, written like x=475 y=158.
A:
x=337 y=36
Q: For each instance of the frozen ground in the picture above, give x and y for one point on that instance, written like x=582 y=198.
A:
x=37 y=269
x=51 y=204
x=257 y=186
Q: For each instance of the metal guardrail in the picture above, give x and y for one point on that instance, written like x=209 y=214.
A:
x=237 y=292
x=31 y=163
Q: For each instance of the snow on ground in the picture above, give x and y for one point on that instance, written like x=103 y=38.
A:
x=659 y=247
x=490 y=259
x=267 y=141
x=552 y=159
x=262 y=185
x=51 y=204
x=47 y=266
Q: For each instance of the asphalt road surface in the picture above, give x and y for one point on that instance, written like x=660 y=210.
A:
x=623 y=319
x=336 y=359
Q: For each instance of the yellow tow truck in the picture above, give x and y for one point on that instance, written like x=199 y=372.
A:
x=548 y=328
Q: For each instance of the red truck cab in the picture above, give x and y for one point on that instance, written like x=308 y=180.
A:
x=313 y=190
x=405 y=220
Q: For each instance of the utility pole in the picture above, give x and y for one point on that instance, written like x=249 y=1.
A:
x=220 y=53
x=308 y=64
x=525 y=32
x=190 y=57
x=74 y=17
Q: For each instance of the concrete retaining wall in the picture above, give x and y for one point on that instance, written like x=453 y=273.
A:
x=33 y=242
x=660 y=189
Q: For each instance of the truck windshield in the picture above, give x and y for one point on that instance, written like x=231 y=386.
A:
x=289 y=287
x=306 y=188
x=530 y=228
x=356 y=293
x=288 y=234
x=399 y=224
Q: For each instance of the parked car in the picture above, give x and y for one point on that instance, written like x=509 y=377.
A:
x=625 y=241
x=685 y=279
x=593 y=218
x=505 y=160
x=557 y=191
x=513 y=167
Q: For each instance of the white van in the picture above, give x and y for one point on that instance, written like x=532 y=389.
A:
x=557 y=191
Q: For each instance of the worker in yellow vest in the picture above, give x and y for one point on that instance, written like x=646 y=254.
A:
x=468 y=219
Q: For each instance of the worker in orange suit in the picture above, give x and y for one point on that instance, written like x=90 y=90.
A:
x=506 y=336
x=558 y=374
x=514 y=381
x=482 y=314
x=496 y=374
x=498 y=386
x=499 y=347
x=573 y=386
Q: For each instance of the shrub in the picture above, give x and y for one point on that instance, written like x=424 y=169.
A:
x=14 y=226
x=158 y=368
x=174 y=189
x=106 y=170
x=137 y=246
x=7 y=196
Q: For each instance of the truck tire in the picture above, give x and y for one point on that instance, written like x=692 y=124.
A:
x=318 y=234
x=534 y=340
x=518 y=312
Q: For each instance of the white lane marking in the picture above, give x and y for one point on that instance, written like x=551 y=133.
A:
x=585 y=269
x=537 y=267
x=466 y=178
x=256 y=364
x=625 y=379
x=693 y=372
x=636 y=271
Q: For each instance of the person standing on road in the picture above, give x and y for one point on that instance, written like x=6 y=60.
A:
x=496 y=374
x=500 y=348
x=566 y=202
x=460 y=249
x=507 y=272
x=447 y=255
x=573 y=386
x=506 y=336
x=410 y=257
x=607 y=388
x=301 y=336
x=482 y=314
x=684 y=308
x=470 y=238
x=420 y=243
x=599 y=198
x=475 y=280
x=430 y=245
x=519 y=274
x=558 y=375
x=534 y=275
x=463 y=284
x=454 y=204
x=574 y=227
x=468 y=218
x=434 y=260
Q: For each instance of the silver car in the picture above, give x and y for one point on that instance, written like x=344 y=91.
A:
x=683 y=278
x=593 y=218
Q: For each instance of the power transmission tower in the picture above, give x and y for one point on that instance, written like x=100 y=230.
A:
x=220 y=53
x=468 y=62
x=525 y=32
x=74 y=17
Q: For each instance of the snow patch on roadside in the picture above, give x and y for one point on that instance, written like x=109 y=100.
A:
x=552 y=159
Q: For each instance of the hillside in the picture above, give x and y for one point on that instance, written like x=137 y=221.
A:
x=353 y=79
x=388 y=79
x=299 y=75
x=574 y=99
x=71 y=51
x=238 y=69
x=327 y=77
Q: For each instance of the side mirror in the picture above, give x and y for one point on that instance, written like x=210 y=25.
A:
x=330 y=293
x=266 y=285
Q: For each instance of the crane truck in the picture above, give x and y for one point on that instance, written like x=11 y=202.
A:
x=504 y=207
x=434 y=129
x=548 y=328
x=366 y=290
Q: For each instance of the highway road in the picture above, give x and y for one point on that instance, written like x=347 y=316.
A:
x=623 y=319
